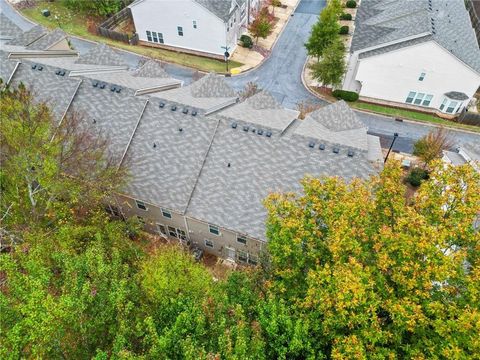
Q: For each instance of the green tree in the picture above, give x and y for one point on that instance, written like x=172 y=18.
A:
x=97 y=7
x=372 y=276
x=330 y=69
x=261 y=27
x=324 y=31
x=49 y=172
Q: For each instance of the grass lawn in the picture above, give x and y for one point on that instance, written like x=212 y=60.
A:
x=74 y=23
x=412 y=115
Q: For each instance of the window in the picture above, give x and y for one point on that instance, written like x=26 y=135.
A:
x=209 y=243
x=181 y=234
x=149 y=36
x=451 y=106
x=154 y=36
x=242 y=240
x=194 y=24
x=141 y=220
x=172 y=231
x=141 y=205
x=419 y=98
x=180 y=30
x=427 y=100
x=214 y=230
x=162 y=229
x=252 y=260
x=166 y=213
x=242 y=256
x=422 y=76
x=444 y=103
x=160 y=38
x=410 y=97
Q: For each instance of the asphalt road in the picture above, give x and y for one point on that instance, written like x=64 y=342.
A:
x=280 y=74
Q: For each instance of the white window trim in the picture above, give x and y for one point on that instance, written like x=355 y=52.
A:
x=419 y=98
x=243 y=237
x=137 y=202
x=167 y=212
x=408 y=97
x=216 y=227
x=160 y=232
x=422 y=76
x=208 y=246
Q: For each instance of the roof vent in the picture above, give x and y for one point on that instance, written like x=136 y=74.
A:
x=260 y=132
x=228 y=165
x=113 y=88
x=253 y=129
x=311 y=144
x=62 y=73
x=194 y=113
x=350 y=153
x=174 y=107
x=268 y=134
x=336 y=150
x=180 y=129
x=58 y=72
x=154 y=145
x=118 y=90
x=102 y=86
x=245 y=128
x=40 y=68
x=94 y=121
x=234 y=125
x=161 y=105
x=322 y=147
x=185 y=111
x=34 y=66
x=95 y=84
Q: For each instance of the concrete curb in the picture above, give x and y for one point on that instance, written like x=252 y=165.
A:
x=273 y=45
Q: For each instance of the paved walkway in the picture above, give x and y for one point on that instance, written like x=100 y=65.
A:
x=280 y=74
x=251 y=58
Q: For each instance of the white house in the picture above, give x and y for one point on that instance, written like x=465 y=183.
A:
x=421 y=54
x=203 y=27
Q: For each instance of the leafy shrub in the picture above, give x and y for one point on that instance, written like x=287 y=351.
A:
x=345 y=95
x=346 y=16
x=343 y=30
x=351 y=4
x=416 y=176
x=246 y=41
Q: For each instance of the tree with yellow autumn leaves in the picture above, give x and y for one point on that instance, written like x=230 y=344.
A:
x=371 y=275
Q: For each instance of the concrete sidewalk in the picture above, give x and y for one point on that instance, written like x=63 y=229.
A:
x=251 y=58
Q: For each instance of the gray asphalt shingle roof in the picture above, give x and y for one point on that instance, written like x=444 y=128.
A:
x=165 y=173
x=201 y=165
x=220 y=8
x=108 y=113
x=262 y=110
x=8 y=29
x=258 y=166
x=152 y=69
x=28 y=37
x=57 y=91
x=444 y=21
x=48 y=40
x=101 y=55
x=209 y=92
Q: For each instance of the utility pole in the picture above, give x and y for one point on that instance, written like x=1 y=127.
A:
x=226 y=54
x=395 y=136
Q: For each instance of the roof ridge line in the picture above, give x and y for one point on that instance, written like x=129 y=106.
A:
x=133 y=134
x=201 y=168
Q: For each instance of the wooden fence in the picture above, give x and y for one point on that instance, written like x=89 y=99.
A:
x=469 y=118
x=106 y=28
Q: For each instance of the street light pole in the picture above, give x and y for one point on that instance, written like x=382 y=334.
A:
x=395 y=135
x=226 y=54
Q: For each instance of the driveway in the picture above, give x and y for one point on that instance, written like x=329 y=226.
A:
x=280 y=74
